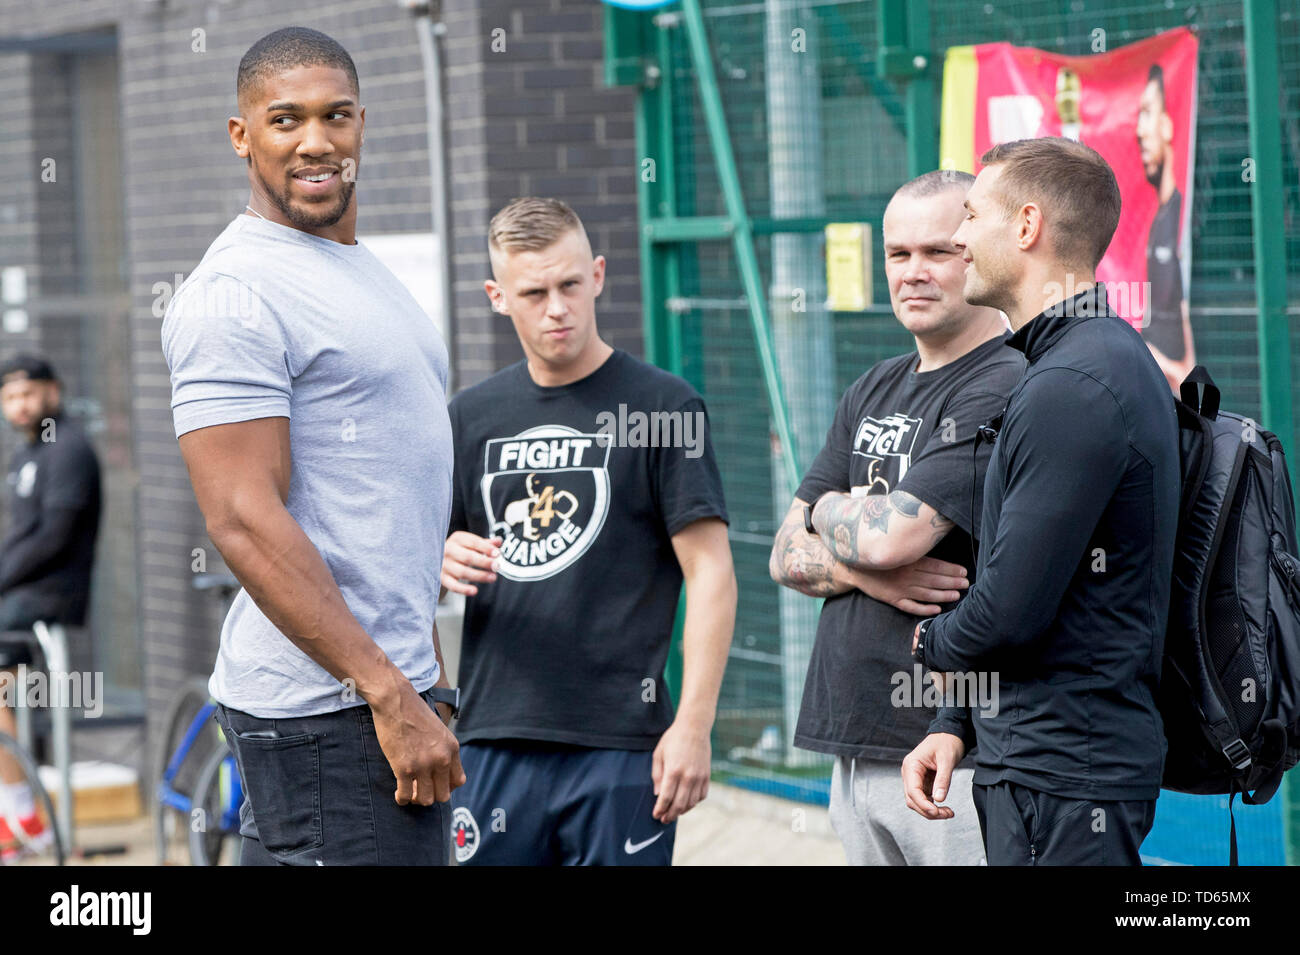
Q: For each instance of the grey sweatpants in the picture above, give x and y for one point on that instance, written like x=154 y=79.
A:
x=870 y=815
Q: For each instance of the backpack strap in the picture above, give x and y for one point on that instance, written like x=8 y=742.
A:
x=1271 y=754
x=1195 y=443
x=1207 y=405
x=1221 y=728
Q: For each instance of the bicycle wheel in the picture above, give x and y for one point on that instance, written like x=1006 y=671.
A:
x=46 y=848
x=210 y=840
x=185 y=705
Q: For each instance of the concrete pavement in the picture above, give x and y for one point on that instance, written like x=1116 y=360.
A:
x=732 y=827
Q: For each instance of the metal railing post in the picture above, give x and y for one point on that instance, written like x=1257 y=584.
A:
x=1273 y=336
x=742 y=232
x=54 y=644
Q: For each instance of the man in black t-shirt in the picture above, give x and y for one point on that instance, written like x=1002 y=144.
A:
x=47 y=555
x=585 y=493
x=1167 y=326
x=883 y=527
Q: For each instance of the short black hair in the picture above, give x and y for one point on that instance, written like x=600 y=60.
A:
x=1157 y=75
x=286 y=49
x=28 y=366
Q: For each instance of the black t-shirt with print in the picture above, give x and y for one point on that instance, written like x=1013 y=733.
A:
x=586 y=483
x=1165 y=273
x=897 y=430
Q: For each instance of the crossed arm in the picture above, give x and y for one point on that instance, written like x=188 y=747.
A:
x=915 y=584
x=858 y=531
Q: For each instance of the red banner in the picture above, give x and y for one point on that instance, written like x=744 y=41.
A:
x=1137 y=107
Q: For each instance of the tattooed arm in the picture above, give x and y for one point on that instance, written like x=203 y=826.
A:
x=878 y=531
x=802 y=562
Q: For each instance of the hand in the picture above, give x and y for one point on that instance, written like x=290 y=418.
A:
x=422 y=752
x=468 y=557
x=916 y=588
x=680 y=770
x=927 y=772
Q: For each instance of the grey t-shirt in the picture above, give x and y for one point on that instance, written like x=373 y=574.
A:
x=275 y=322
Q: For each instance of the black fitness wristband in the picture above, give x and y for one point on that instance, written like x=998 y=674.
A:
x=919 y=653
x=808 y=513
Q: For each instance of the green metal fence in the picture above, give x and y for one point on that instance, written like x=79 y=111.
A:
x=752 y=153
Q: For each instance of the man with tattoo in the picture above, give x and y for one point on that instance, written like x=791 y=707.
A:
x=883 y=527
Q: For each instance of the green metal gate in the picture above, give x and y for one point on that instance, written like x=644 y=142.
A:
x=746 y=155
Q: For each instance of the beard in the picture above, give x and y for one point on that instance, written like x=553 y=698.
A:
x=1156 y=173
x=317 y=216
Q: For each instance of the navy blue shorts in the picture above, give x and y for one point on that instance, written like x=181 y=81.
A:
x=533 y=803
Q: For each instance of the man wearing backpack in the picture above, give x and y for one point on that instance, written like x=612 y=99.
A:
x=1071 y=594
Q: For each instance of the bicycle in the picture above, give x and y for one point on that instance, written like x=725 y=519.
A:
x=48 y=847
x=194 y=749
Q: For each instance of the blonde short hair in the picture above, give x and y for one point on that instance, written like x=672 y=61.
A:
x=531 y=224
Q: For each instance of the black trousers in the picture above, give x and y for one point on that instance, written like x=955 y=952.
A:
x=320 y=792
x=1024 y=826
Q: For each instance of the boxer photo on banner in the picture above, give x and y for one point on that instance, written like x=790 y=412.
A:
x=1135 y=105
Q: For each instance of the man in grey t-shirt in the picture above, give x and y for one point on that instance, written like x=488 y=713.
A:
x=308 y=392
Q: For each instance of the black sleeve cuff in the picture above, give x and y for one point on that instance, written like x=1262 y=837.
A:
x=956 y=721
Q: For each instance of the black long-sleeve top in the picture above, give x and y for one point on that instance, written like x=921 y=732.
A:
x=1071 y=596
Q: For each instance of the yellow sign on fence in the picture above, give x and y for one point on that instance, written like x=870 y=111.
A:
x=848 y=266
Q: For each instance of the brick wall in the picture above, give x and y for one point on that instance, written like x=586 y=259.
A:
x=529 y=115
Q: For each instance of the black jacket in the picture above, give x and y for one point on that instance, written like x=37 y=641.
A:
x=1070 y=601
x=54 y=503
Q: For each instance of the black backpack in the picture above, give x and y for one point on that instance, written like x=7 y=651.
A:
x=1230 y=688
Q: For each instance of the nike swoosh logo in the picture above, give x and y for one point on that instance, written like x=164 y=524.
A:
x=633 y=848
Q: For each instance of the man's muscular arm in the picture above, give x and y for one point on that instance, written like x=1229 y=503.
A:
x=240 y=473
x=802 y=562
x=879 y=531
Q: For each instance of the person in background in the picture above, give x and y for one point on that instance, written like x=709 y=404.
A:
x=1167 y=326
x=47 y=556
